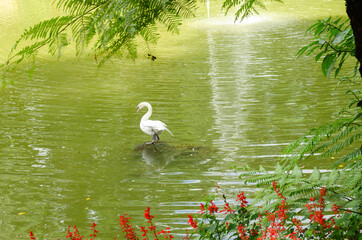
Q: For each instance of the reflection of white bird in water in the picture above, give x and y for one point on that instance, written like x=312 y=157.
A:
x=151 y=127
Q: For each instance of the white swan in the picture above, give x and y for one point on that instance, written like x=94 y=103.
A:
x=151 y=127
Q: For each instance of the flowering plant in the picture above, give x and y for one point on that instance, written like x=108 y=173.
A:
x=279 y=222
x=248 y=222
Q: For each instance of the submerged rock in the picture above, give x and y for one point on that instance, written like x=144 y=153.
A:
x=164 y=147
x=160 y=146
x=160 y=155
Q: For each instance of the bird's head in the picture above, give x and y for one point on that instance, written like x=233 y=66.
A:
x=141 y=105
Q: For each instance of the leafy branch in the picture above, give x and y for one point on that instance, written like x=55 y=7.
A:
x=246 y=8
x=333 y=39
x=109 y=27
x=339 y=140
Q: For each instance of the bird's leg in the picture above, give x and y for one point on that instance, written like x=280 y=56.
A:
x=154 y=145
x=155 y=138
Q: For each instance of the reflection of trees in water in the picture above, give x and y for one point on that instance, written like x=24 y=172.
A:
x=228 y=83
x=259 y=94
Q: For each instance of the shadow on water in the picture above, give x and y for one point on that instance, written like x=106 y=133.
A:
x=161 y=154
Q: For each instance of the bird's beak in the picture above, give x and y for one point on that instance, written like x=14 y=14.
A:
x=138 y=109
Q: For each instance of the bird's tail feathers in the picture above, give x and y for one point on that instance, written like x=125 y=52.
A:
x=169 y=132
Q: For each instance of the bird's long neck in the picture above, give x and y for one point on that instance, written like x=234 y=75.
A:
x=148 y=114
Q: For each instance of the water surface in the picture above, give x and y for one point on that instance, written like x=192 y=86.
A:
x=232 y=94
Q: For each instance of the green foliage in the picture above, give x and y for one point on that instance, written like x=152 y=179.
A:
x=333 y=39
x=343 y=180
x=213 y=226
x=340 y=140
x=246 y=8
x=280 y=218
x=109 y=28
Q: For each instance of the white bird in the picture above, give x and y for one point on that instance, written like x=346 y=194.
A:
x=151 y=127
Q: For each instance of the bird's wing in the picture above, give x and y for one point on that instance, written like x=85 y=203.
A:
x=156 y=125
x=162 y=126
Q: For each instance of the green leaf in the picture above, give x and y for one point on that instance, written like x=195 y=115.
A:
x=297 y=172
x=318 y=56
x=213 y=227
x=316 y=175
x=279 y=169
x=333 y=177
x=261 y=169
x=31 y=71
x=114 y=27
x=340 y=36
x=328 y=64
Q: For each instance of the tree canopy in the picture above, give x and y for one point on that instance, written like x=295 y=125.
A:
x=108 y=27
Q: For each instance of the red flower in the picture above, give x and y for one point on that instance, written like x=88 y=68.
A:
x=75 y=234
x=31 y=235
x=242 y=232
x=152 y=228
x=277 y=218
x=277 y=190
x=316 y=209
x=192 y=222
x=335 y=208
x=282 y=211
x=166 y=232
x=144 y=230
x=321 y=198
x=202 y=207
x=254 y=232
x=212 y=208
x=147 y=214
x=93 y=228
x=127 y=228
x=242 y=199
x=323 y=191
x=298 y=224
x=187 y=237
x=227 y=209
x=123 y=220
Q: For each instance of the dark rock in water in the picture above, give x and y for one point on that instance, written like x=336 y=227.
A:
x=159 y=155
x=160 y=146
x=181 y=150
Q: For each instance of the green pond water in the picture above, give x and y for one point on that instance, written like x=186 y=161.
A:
x=232 y=94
